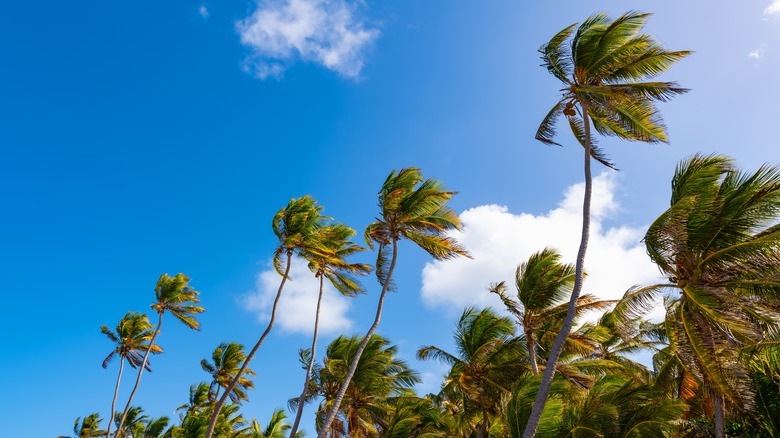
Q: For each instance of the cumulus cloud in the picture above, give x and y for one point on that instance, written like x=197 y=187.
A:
x=773 y=10
x=298 y=304
x=203 y=11
x=500 y=240
x=324 y=32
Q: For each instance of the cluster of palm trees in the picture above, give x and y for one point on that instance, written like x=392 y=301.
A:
x=562 y=363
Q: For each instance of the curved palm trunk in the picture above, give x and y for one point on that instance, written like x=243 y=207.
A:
x=353 y=366
x=140 y=373
x=531 y=351
x=555 y=351
x=113 y=402
x=251 y=355
x=301 y=400
x=483 y=429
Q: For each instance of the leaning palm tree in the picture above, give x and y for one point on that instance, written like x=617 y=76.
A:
x=225 y=362
x=175 y=296
x=412 y=208
x=484 y=368
x=605 y=84
x=329 y=262
x=719 y=246
x=134 y=342
x=295 y=227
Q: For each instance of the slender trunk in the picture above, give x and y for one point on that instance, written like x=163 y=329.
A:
x=234 y=381
x=531 y=350
x=140 y=373
x=483 y=428
x=555 y=351
x=302 y=399
x=353 y=366
x=116 y=391
x=720 y=421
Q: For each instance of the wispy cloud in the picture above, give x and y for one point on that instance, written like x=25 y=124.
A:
x=756 y=54
x=773 y=10
x=324 y=32
x=203 y=11
x=500 y=240
x=298 y=304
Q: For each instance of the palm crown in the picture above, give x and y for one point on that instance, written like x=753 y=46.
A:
x=132 y=337
x=415 y=209
x=605 y=72
x=719 y=244
x=173 y=294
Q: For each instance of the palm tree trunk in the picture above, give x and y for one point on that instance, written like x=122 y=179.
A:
x=531 y=351
x=301 y=400
x=483 y=428
x=555 y=351
x=251 y=355
x=116 y=391
x=140 y=373
x=720 y=421
x=353 y=366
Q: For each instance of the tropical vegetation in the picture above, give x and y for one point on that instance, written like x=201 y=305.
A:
x=548 y=361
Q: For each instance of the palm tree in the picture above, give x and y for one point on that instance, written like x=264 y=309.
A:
x=276 y=427
x=134 y=422
x=89 y=427
x=378 y=377
x=719 y=246
x=485 y=367
x=604 y=79
x=543 y=285
x=295 y=227
x=226 y=360
x=416 y=209
x=175 y=296
x=199 y=398
x=330 y=263
x=134 y=342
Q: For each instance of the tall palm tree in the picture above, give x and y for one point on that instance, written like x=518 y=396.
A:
x=412 y=208
x=134 y=342
x=329 y=262
x=175 y=296
x=295 y=227
x=719 y=246
x=225 y=362
x=605 y=84
x=485 y=367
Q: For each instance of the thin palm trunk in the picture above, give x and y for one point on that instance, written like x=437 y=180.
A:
x=140 y=373
x=531 y=351
x=301 y=400
x=353 y=366
x=251 y=355
x=483 y=428
x=555 y=351
x=113 y=402
x=720 y=423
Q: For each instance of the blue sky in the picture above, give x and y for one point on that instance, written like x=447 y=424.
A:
x=151 y=137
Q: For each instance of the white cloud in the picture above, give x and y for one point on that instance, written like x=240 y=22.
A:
x=773 y=10
x=298 y=304
x=203 y=11
x=500 y=240
x=324 y=32
x=756 y=54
